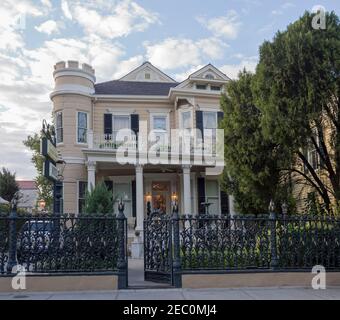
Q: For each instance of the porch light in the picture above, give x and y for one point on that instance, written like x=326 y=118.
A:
x=174 y=197
x=148 y=197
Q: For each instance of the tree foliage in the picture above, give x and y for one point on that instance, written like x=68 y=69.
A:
x=297 y=89
x=99 y=201
x=8 y=185
x=290 y=106
x=252 y=161
x=45 y=186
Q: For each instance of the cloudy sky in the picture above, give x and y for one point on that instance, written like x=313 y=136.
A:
x=116 y=36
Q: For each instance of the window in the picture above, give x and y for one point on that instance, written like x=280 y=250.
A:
x=119 y=122
x=210 y=123
x=215 y=88
x=123 y=191
x=212 y=195
x=186 y=120
x=210 y=120
x=209 y=76
x=59 y=127
x=313 y=156
x=82 y=186
x=159 y=126
x=201 y=86
x=82 y=127
x=147 y=76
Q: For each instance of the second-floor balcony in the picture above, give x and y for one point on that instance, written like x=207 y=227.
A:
x=172 y=148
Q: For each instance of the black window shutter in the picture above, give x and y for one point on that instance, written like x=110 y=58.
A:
x=135 y=123
x=201 y=194
x=107 y=124
x=199 y=122
x=224 y=203
x=134 y=211
x=220 y=115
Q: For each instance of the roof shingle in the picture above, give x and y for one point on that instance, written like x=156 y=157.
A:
x=117 y=87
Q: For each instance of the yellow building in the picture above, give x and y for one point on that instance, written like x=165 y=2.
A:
x=89 y=116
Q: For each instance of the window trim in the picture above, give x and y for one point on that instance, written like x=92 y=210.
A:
x=205 y=85
x=77 y=127
x=312 y=149
x=119 y=114
x=180 y=113
x=212 y=111
x=159 y=114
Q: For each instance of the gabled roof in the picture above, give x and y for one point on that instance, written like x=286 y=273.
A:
x=209 y=68
x=147 y=67
x=119 y=87
x=134 y=83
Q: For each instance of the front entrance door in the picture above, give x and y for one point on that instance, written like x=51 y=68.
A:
x=161 y=197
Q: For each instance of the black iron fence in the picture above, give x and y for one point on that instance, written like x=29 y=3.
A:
x=64 y=244
x=243 y=242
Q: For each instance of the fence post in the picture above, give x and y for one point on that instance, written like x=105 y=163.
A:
x=273 y=242
x=176 y=264
x=12 y=240
x=122 y=263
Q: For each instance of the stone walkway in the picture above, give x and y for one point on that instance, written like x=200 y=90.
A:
x=184 y=294
x=136 y=276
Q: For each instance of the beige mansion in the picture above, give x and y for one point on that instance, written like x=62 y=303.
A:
x=89 y=115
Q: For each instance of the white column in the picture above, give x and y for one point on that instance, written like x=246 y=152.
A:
x=91 y=175
x=90 y=138
x=139 y=198
x=186 y=190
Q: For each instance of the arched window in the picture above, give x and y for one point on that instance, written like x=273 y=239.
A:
x=209 y=76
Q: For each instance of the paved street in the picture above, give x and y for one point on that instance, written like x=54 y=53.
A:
x=184 y=294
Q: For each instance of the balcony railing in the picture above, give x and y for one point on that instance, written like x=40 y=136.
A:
x=109 y=143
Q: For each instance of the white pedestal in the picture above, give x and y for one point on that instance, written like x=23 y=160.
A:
x=137 y=248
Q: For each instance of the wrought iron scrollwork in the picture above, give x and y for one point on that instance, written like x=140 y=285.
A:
x=157 y=247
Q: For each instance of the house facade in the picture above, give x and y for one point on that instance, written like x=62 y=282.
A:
x=29 y=195
x=90 y=119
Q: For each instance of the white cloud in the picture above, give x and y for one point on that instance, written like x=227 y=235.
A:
x=65 y=9
x=232 y=70
x=212 y=47
x=117 y=20
x=125 y=66
x=225 y=26
x=13 y=17
x=48 y=27
x=175 y=53
x=46 y=3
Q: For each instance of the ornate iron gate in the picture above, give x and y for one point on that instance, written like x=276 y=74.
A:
x=158 y=248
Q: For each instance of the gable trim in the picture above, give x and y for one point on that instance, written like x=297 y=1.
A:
x=152 y=67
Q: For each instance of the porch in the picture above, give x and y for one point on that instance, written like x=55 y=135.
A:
x=148 y=188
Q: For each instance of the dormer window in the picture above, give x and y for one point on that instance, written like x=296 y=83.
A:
x=215 y=88
x=147 y=76
x=201 y=86
x=209 y=76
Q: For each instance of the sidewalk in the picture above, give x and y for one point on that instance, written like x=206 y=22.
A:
x=184 y=294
